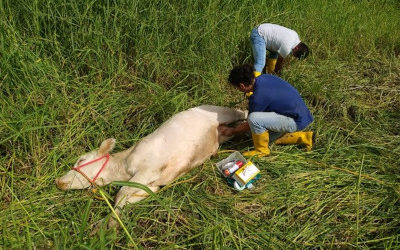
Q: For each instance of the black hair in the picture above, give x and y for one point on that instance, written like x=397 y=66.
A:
x=241 y=74
x=302 y=51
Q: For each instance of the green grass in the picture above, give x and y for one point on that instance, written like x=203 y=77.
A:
x=73 y=73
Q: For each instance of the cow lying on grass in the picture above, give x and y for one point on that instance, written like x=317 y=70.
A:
x=183 y=142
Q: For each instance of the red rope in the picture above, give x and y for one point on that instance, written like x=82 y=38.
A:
x=77 y=169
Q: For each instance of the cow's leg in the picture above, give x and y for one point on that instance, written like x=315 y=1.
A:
x=131 y=194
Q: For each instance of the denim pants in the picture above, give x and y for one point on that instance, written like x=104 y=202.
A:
x=276 y=124
x=259 y=50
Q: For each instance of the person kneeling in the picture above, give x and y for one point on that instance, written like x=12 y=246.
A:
x=276 y=111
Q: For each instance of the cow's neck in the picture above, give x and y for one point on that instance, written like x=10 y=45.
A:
x=120 y=166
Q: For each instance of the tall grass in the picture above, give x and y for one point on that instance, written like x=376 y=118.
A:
x=73 y=73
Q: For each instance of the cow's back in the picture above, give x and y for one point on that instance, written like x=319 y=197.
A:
x=184 y=141
x=180 y=140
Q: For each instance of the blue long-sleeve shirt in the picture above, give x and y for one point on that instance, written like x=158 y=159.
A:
x=272 y=94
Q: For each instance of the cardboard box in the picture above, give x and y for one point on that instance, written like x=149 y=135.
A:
x=246 y=173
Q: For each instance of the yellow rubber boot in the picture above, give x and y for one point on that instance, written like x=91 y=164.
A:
x=256 y=73
x=261 y=147
x=300 y=138
x=271 y=65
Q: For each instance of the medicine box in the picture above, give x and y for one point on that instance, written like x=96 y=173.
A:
x=244 y=174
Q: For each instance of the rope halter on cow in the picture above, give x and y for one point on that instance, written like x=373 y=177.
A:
x=92 y=181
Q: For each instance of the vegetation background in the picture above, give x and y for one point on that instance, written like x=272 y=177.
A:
x=73 y=73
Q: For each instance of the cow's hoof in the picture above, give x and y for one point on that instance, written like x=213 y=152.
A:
x=96 y=227
x=112 y=223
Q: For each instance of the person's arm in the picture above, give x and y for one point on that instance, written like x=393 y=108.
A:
x=279 y=64
x=229 y=131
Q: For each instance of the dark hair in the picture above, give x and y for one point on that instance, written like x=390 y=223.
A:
x=302 y=51
x=241 y=74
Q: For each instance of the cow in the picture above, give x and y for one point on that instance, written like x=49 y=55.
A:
x=184 y=141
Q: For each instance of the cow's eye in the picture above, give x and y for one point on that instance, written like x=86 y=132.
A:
x=80 y=161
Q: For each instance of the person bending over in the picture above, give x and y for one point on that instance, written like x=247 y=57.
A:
x=276 y=111
x=280 y=42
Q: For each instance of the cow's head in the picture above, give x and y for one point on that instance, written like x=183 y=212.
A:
x=95 y=165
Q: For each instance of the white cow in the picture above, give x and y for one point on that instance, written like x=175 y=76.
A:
x=183 y=142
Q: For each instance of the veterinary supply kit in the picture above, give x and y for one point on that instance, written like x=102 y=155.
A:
x=239 y=172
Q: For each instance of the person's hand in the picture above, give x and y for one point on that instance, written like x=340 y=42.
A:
x=225 y=130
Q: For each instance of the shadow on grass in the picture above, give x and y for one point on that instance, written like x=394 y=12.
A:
x=238 y=142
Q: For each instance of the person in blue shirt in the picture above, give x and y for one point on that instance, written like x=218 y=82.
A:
x=276 y=111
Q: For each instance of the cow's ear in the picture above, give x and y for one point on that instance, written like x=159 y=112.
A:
x=106 y=146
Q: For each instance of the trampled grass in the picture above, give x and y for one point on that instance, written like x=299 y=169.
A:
x=73 y=73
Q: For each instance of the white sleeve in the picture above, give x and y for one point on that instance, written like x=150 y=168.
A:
x=284 y=51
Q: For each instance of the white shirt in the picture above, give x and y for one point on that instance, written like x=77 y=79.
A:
x=278 y=38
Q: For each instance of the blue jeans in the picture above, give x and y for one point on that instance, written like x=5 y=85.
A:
x=259 y=50
x=276 y=124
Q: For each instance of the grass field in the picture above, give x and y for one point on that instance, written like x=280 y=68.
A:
x=73 y=73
